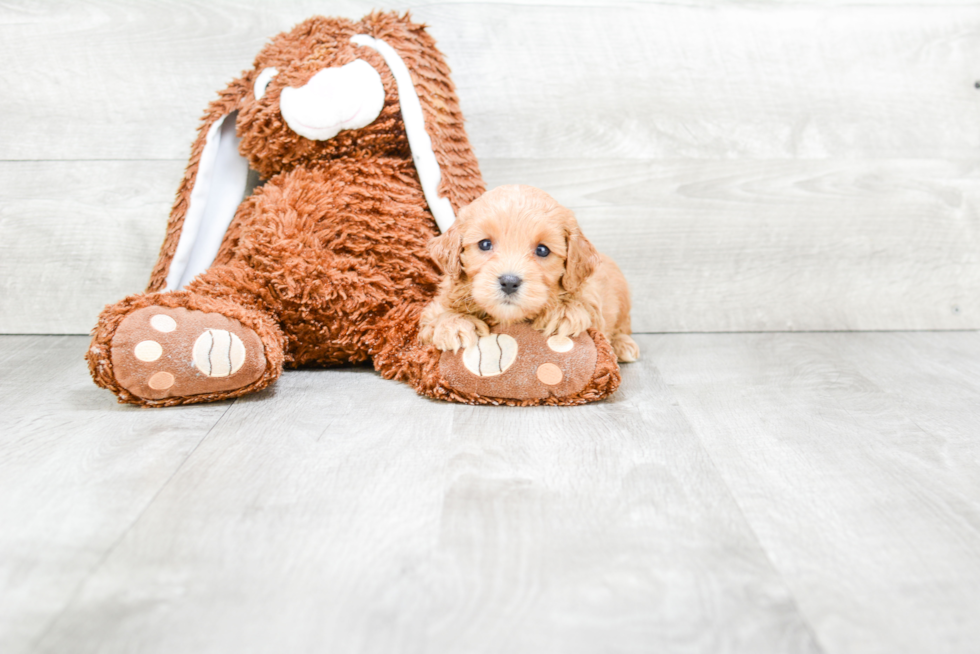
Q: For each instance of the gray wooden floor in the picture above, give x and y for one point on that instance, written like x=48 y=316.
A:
x=754 y=493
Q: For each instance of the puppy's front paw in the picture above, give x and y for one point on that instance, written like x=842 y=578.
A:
x=451 y=331
x=565 y=320
x=625 y=348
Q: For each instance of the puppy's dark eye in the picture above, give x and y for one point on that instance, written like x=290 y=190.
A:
x=485 y=244
x=542 y=251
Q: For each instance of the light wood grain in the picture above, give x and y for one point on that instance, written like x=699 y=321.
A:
x=76 y=236
x=721 y=81
x=341 y=512
x=706 y=246
x=599 y=529
x=305 y=522
x=862 y=489
x=741 y=492
x=938 y=389
x=76 y=472
x=110 y=79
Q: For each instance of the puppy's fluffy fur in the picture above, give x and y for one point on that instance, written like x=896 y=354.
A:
x=564 y=292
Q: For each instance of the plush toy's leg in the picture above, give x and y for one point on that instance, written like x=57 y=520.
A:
x=516 y=365
x=183 y=347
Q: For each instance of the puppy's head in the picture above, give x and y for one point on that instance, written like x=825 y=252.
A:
x=513 y=252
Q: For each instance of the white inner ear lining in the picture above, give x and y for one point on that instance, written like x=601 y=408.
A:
x=262 y=81
x=418 y=138
x=219 y=187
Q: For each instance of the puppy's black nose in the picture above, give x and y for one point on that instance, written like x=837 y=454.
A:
x=509 y=283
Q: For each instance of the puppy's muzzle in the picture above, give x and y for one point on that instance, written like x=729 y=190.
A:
x=509 y=283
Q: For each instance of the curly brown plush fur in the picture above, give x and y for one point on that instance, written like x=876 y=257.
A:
x=327 y=261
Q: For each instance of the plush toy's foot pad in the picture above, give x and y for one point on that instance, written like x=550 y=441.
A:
x=518 y=362
x=159 y=352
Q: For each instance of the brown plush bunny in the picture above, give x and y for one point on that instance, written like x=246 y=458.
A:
x=357 y=130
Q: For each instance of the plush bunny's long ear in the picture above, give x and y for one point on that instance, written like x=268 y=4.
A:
x=221 y=185
x=444 y=159
x=216 y=181
x=418 y=137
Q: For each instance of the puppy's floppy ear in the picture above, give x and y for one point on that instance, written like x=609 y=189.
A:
x=447 y=249
x=580 y=261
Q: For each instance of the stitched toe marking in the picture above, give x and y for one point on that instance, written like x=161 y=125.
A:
x=560 y=343
x=549 y=374
x=161 y=381
x=147 y=351
x=492 y=355
x=163 y=323
x=218 y=353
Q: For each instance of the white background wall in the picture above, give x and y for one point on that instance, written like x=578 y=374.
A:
x=751 y=165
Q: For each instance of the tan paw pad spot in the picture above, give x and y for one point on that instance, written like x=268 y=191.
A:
x=560 y=343
x=492 y=355
x=161 y=381
x=147 y=351
x=549 y=374
x=218 y=353
x=163 y=323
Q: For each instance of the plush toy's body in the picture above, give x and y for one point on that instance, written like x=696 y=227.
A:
x=357 y=129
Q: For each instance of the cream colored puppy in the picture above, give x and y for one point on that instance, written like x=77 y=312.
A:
x=515 y=254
